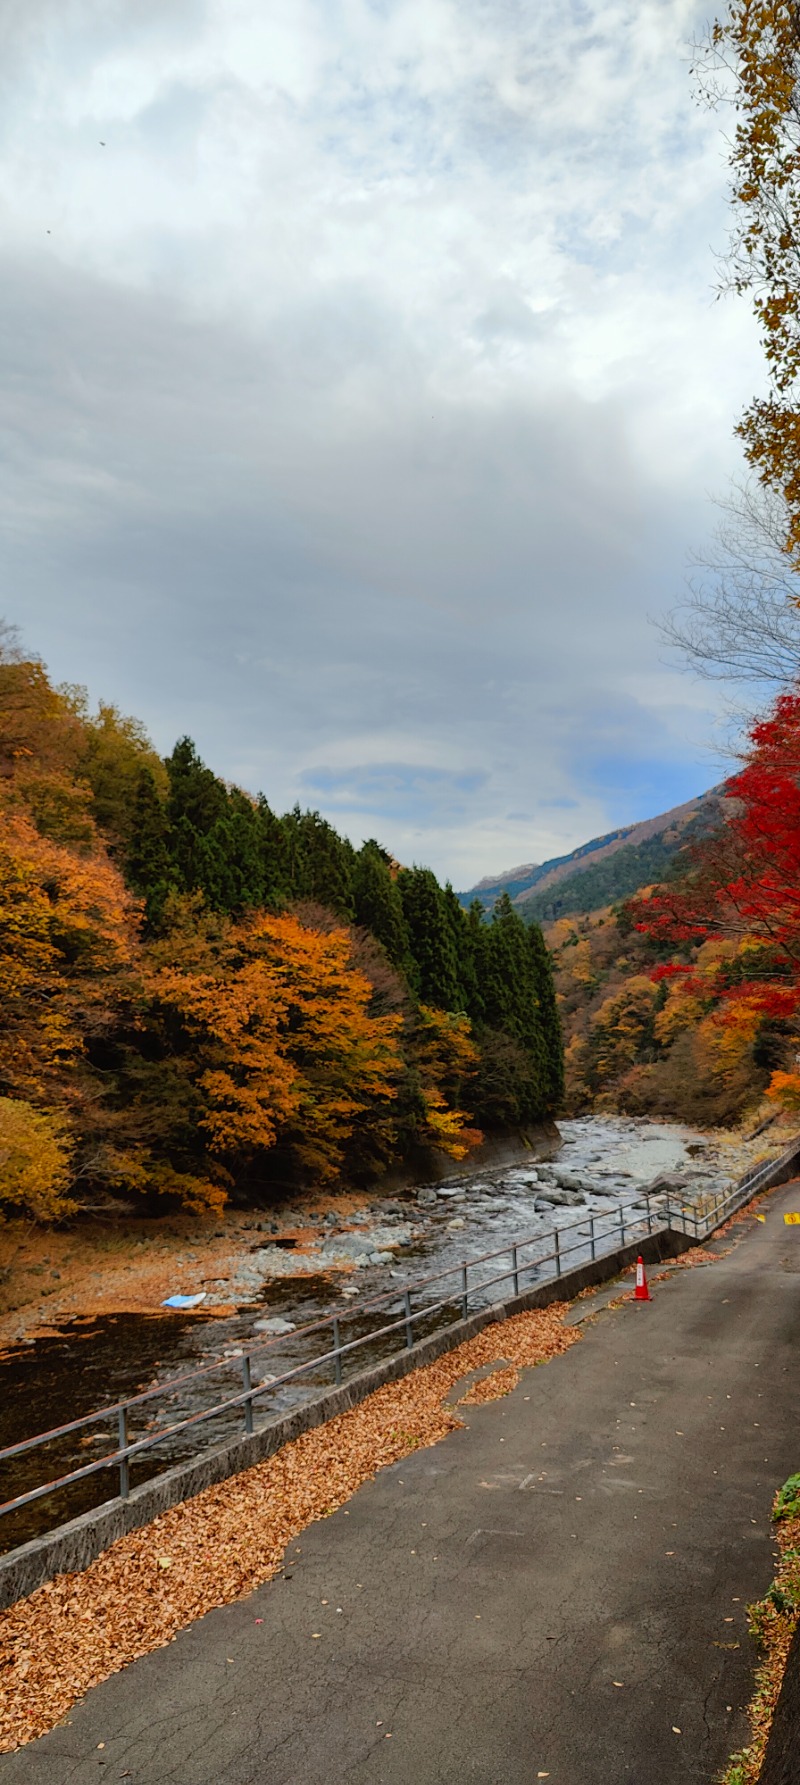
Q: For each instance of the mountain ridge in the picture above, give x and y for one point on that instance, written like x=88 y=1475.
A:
x=531 y=879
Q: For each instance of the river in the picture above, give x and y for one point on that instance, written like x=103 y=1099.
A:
x=92 y=1363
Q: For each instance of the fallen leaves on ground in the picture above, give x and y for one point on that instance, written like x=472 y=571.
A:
x=490 y=1388
x=686 y=1262
x=78 y=1629
x=772 y=1622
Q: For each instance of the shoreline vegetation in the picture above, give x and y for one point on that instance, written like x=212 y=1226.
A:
x=204 y=1004
x=90 y=1265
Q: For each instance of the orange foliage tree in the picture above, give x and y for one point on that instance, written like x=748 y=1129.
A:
x=283 y=1045
x=445 y=1061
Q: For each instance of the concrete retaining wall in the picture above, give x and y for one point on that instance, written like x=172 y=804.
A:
x=73 y=1546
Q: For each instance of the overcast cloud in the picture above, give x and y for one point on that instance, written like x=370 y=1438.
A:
x=362 y=395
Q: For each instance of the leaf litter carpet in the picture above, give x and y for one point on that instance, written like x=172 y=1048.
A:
x=78 y=1629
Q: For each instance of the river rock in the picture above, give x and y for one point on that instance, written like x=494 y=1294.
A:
x=458 y=1222
x=276 y=1324
x=567 y=1180
x=566 y=1199
x=668 y=1183
x=427 y=1198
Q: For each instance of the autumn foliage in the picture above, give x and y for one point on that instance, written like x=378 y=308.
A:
x=735 y=916
x=752 y=59
x=200 y=1000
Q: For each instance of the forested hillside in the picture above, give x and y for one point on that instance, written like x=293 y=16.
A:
x=202 y=999
x=634 y=1042
x=683 y=1002
x=606 y=868
x=612 y=879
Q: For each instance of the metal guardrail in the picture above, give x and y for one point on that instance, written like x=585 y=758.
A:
x=596 y=1235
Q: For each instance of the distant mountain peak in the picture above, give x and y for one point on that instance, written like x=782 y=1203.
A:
x=533 y=879
x=490 y=880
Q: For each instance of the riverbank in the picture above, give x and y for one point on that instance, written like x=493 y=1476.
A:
x=129 y=1264
x=52 y=1277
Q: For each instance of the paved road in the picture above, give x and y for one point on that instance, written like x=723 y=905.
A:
x=607 y=1522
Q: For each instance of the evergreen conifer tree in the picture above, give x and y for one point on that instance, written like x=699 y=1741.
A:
x=149 y=866
x=197 y=801
x=319 y=862
x=195 y=792
x=511 y=998
x=216 y=834
x=274 y=872
x=463 y=939
x=379 y=907
x=235 y=856
x=549 y=1018
x=431 y=938
x=477 y=931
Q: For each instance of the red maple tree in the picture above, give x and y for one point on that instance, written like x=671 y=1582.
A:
x=743 y=884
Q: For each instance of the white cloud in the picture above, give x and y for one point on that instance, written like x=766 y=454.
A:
x=364 y=390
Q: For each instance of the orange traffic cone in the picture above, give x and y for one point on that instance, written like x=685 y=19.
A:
x=642 y=1292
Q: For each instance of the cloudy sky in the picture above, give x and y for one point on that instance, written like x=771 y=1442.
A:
x=363 y=389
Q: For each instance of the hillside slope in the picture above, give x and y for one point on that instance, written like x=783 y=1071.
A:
x=603 y=870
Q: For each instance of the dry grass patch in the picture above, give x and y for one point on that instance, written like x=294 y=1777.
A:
x=76 y=1630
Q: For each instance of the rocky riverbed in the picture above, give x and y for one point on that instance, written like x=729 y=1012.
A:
x=86 y=1324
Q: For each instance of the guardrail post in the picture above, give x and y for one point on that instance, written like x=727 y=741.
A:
x=464 y=1293
x=622 y=1229
x=124 y=1472
x=247 y=1385
x=337 y=1354
x=409 y=1324
x=649 y=1212
x=515 y=1271
x=557 y=1251
x=591 y=1235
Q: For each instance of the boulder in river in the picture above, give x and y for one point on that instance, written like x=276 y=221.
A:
x=427 y=1198
x=566 y=1199
x=567 y=1180
x=276 y=1324
x=668 y=1183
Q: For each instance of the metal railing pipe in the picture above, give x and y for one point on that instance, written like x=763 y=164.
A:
x=566 y=1241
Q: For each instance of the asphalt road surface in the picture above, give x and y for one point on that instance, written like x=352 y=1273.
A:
x=558 y=1592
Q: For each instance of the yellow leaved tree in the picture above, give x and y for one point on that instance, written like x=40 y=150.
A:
x=35 y=1161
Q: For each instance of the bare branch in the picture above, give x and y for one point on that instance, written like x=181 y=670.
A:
x=740 y=619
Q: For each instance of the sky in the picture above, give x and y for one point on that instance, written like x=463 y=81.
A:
x=363 y=388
